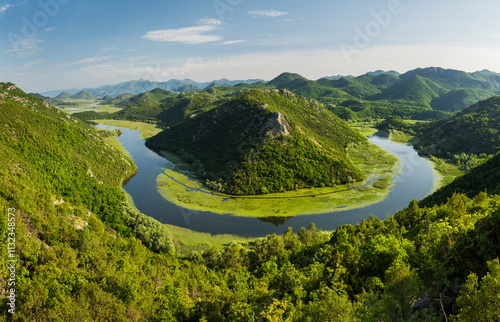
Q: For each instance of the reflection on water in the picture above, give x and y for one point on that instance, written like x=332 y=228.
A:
x=414 y=182
x=277 y=221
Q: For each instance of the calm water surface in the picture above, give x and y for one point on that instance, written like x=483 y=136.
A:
x=415 y=182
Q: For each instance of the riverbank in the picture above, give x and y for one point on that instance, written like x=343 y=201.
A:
x=444 y=172
x=414 y=182
x=179 y=187
x=187 y=241
x=147 y=129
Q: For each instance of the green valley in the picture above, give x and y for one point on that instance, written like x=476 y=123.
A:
x=87 y=253
x=249 y=161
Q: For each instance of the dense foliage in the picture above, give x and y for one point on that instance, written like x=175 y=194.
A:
x=460 y=99
x=473 y=130
x=265 y=141
x=355 y=110
x=408 y=95
x=425 y=263
x=485 y=177
x=65 y=160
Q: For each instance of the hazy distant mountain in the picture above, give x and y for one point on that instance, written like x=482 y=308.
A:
x=50 y=100
x=187 y=88
x=381 y=72
x=488 y=72
x=140 y=86
x=85 y=95
x=336 y=77
x=82 y=95
x=63 y=96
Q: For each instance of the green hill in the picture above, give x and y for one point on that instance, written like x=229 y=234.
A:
x=455 y=79
x=118 y=99
x=415 y=89
x=285 y=79
x=300 y=85
x=483 y=178
x=142 y=107
x=67 y=167
x=84 y=95
x=474 y=130
x=50 y=100
x=265 y=141
x=359 y=87
x=146 y=99
x=184 y=105
x=63 y=96
x=459 y=99
x=60 y=155
x=187 y=88
x=384 y=81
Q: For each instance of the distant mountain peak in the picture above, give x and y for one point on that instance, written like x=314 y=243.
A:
x=488 y=72
x=381 y=72
x=285 y=78
x=142 y=85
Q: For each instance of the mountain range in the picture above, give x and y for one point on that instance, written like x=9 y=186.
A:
x=82 y=95
x=140 y=86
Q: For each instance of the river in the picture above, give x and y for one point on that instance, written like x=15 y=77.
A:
x=415 y=181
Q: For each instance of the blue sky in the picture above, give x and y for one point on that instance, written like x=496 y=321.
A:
x=57 y=44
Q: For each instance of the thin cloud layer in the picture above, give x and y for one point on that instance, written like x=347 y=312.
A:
x=209 y=21
x=88 y=60
x=5 y=7
x=188 y=35
x=267 y=13
x=232 y=42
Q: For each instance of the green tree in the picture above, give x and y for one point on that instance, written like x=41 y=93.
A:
x=480 y=300
x=403 y=285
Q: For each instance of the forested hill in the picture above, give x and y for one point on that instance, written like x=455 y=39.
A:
x=265 y=141
x=474 y=130
x=60 y=159
x=483 y=178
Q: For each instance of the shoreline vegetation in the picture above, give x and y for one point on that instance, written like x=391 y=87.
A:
x=444 y=171
x=187 y=240
x=178 y=186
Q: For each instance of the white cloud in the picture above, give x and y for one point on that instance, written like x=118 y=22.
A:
x=88 y=60
x=209 y=21
x=232 y=42
x=30 y=64
x=50 y=29
x=5 y=7
x=106 y=50
x=25 y=47
x=188 y=35
x=267 y=13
